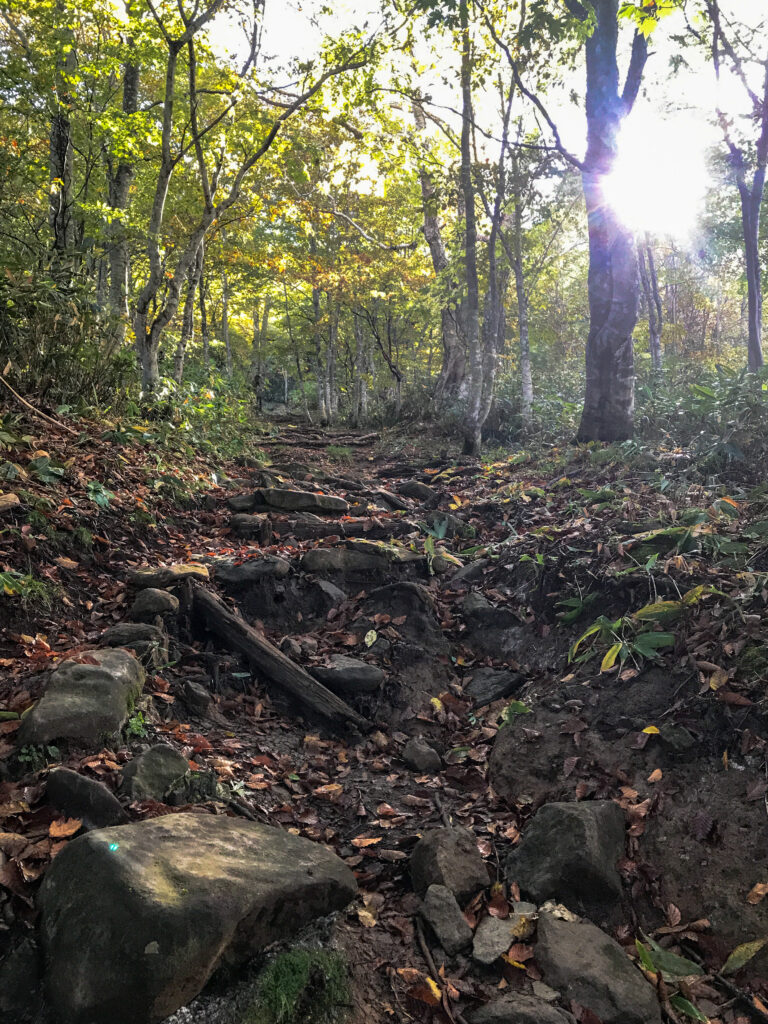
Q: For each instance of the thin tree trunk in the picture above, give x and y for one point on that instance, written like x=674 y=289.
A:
x=225 y=322
x=119 y=191
x=187 y=320
x=652 y=299
x=297 y=356
x=204 y=332
x=61 y=154
x=751 y=200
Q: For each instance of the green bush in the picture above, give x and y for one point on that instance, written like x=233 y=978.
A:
x=302 y=986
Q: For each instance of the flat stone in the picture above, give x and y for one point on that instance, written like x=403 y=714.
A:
x=490 y=684
x=85 y=700
x=569 y=852
x=390 y=499
x=443 y=915
x=481 y=614
x=77 y=796
x=520 y=1009
x=152 y=602
x=494 y=935
x=241 y=502
x=150 y=643
x=388 y=553
x=351 y=675
x=150 y=775
x=420 y=756
x=300 y=501
x=196 y=696
x=256 y=527
x=416 y=489
x=167 y=575
x=585 y=965
x=252 y=570
x=449 y=857
x=341 y=560
x=135 y=920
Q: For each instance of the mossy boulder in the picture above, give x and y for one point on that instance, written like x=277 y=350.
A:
x=135 y=920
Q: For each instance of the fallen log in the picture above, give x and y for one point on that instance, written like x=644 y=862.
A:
x=272 y=663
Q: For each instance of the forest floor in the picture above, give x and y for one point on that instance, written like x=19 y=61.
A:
x=619 y=594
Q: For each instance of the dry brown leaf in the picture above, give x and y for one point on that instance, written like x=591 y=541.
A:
x=757 y=893
x=64 y=827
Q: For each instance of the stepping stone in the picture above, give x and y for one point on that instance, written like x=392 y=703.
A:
x=443 y=915
x=85 y=700
x=167 y=575
x=256 y=527
x=449 y=857
x=150 y=775
x=152 y=602
x=77 y=796
x=135 y=920
x=349 y=675
x=300 y=501
x=387 y=553
x=416 y=489
x=341 y=560
x=253 y=570
x=520 y=1009
x=241 y=503
x=586 y=966
x=150 y=643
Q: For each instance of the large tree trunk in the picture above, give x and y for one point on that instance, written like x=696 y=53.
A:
x=751 y=201
x=613 y=282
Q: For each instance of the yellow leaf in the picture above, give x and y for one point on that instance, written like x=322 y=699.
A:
x=437 y=704
x=718 y=679
x=366 y=918
x=371 y=637
x=610 y=658
x=651 y=730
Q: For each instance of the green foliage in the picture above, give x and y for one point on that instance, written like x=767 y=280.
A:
x=35 y=758
x=512 y=711
x=136 y=726
x=99 y=494
x=31 y=592
x=302 y=986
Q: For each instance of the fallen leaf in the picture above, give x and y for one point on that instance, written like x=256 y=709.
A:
x=757 y=893
x=64 y=827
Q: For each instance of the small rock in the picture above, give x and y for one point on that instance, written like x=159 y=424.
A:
x=490 y=684
x=349 y=674
x=197 y=697
x=77 y=796
x=416 y=489
x=569 y=853
x=443 y=915
x=492 y=938
x=449 y=857
x=150 y=643
x=418 y=755
x=253 y=527
x=9 y=501
x=150 y=775
x=84 y=701
x=252 y=570
x=167 y=575
x=471 y=572
x=152 y=602
x=520 y=1009
x=585 y=965
x=290 y=647
x=134 y=920
x=241 y=503
x=481 y=614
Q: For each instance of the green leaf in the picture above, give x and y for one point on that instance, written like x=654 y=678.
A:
x=742 y=955
x=649 y=644
x=670 y=965
x=371 y=637
x=660 y=611
x=684 y=1006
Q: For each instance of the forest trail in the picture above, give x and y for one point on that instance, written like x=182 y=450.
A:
x=520 y=649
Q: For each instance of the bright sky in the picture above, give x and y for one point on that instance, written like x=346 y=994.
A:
x=661 y=179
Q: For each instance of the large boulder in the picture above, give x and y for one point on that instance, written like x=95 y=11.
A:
x=77 y=796
x=448 y=857
x=85 y=700
x=585 y=965
x=167 y=575
x=519 y=1009
x=135 y=920
x=349 y=675
x=299 y=501
x=150 y=775
x=569 y=852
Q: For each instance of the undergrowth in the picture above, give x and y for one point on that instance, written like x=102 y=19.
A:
x=302 y=986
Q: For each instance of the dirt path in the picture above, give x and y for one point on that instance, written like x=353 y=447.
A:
x=451 y=582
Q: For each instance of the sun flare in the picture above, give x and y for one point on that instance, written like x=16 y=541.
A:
x=660 y=177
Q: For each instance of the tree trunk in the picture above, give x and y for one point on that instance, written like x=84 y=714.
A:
x=472 y=423
x=61 y=156
x=204 y=333
x=225 y=323
x=119 y=191
x=652 y=299
x=613 y=272
x=751 y=201
x=187 y=320
x=359 y=390
x=526 y=390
